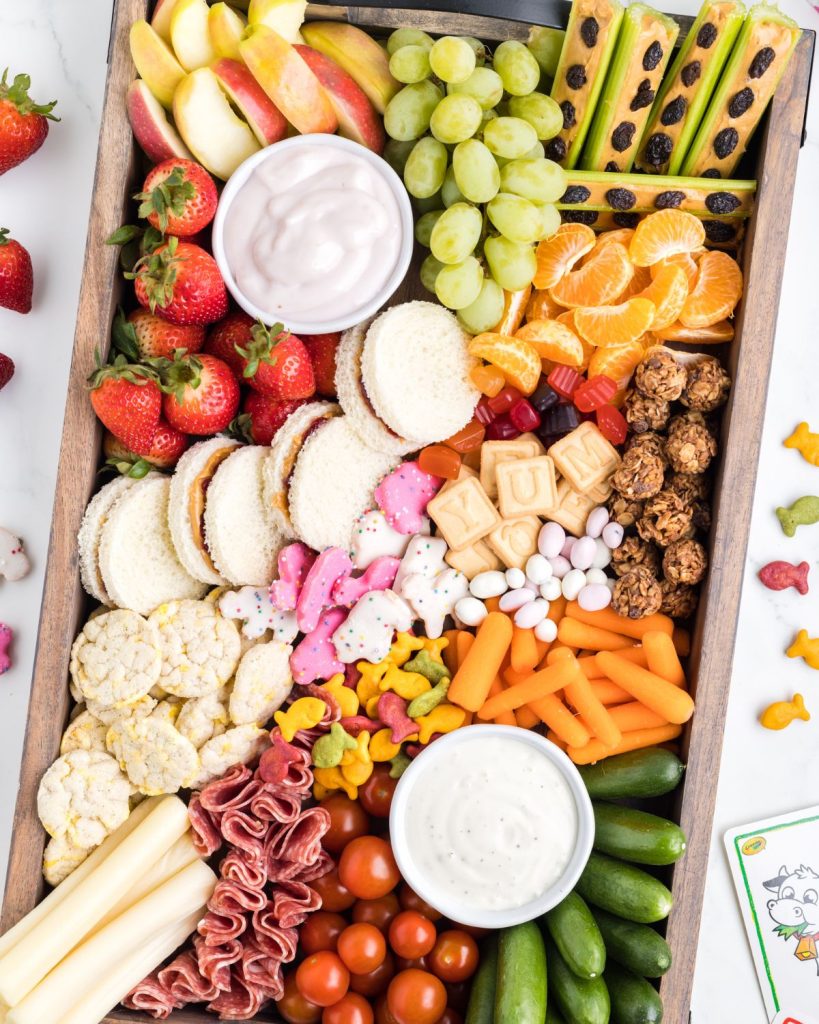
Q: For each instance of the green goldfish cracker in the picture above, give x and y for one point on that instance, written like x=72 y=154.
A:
x=758 y=61
x=425 y=665
x=643 y=50
x=689 y=85
x=644 y=193
x=399 y=764
x=424 y=703
x=590 y=40
x=803 y=512
x=328 y=749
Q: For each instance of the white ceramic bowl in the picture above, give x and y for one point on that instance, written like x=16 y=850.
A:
x=435 y=756
x=354 y=315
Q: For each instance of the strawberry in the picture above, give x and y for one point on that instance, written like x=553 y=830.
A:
x=6 y=370
x=142 y=335
x=178 y=197
x=128 y=400
x=23 y=123
x=277 y=363
x=322 y=351
x=181 y=283
x=16 y=275
x=262 y=416
x=226 y=335
x=201 y=393
x=168 y=444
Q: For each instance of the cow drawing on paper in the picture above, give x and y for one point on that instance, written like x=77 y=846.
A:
x=796 y=909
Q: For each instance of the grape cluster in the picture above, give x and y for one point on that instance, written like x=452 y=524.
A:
x=468 y=139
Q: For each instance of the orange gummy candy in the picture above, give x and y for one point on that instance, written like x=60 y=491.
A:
x=517 y=360
x=488 y=380
x=468 y=438
x=439 y=460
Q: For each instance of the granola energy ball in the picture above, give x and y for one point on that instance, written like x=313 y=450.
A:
x=640 y=475
x=634 y=553
x=707 y=386
x=624 y=511
x=690 y=487
x=666 y=518
x=679 y=600
x=685 y=561
x=637 y=594
x=644 y=413
x=659 y=375
x=690 y=446
x=649 y=441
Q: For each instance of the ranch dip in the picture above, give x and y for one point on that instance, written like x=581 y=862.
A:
x=314 y=231
x=492 y=825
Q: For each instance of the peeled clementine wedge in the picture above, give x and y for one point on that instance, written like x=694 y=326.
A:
x=614 y=325
x=557 y=255
x=598 y=282
x=716 y=291
x=542 y=306
x=517 y=360
x=684 y=260
x=665 y=233
x=618 y=362
x=621 y=235
x=668 y=291
x=716 y=334
x=553 y=341
x=638 y=283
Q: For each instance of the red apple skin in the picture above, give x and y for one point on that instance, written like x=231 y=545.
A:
x=151 y=127
x=357 y=117
x=261 y=113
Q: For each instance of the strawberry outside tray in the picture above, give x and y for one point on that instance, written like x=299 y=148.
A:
x=65 y=605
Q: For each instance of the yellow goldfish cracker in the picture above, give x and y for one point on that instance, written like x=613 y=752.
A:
x=116 y=658
x=371 y=707
x=84 y=797
x=404 y=646
x=302 y=714
x=85 y=732
x=320 y=792
x=239 y=745
x=155 y=757
x=382 y=747
x=345 y=696
x=435 y=647
x=445 y=718
x=782 y=713
x=332 y=779
x=263 y=683
x=200 y=649
x=371 y=676
x=356 y=774
x=61 y=857
x=408 y=685
x=198 y=719
x=360 y=753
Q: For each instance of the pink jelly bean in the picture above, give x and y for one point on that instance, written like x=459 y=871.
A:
x=330 y=568
x=380 y=575
x=315 y=657
x=404 y=494
x=294 y=563
x=392 y=710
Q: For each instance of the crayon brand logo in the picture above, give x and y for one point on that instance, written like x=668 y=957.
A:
x=752 y=846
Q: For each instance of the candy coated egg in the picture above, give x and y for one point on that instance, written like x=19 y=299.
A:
x=572 y=583
x=546 y=631
x=515 y=578
x=514 y=599
x=551 y=589
x=470 y=611
x=538 y=569
x=583 y=553
x=531 y=614
x=596 y=523
x=550 y=539
x=560 y=566
x=488 y=584
x=602 y=556
x=613 y=535
x=594 y=597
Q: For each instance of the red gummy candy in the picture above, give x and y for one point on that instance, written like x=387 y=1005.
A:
x=467 y=439
x=483 y=411
x=594 y=393
x=564 y=380
x=524 y=416
x=612 y=424
x=781 y=575
x=438 y=460
x=504 y=400
x=502 y=429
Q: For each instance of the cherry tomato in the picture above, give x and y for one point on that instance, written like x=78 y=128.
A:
x=378 y=912
x=382 y=1013
x=293 y=1007
x=449 y=1016
x=322 y=978
x=362 y=947
x=334 y=896
x=455 y=956
x=416 y=997
x=348 y=819
x=375 y=982
x=321 y=931
x=404 y=963
x=352 y=1009
x=410 y=900
x=376 y=793
x=476 y=933
x=411 y=934
x=367 y=868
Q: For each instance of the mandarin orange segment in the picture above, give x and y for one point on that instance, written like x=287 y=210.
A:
x=668 y=291
x=567 y=318
x=621 y=235
x=614 y=325
x=557 y=255
x=663 y=234
x=684 y=260
x=517 y=360
x=542 y=306
x=716 y=291
x=553 y=341
x=618 y=362
x=716 y=334
x=599 y=282
x=638 y=283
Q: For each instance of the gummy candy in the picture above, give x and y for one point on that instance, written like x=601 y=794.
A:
x=467 y=439
x=504 y=400
x=502 y=429
x=544 y=398
x=524 y=416
x=564 y=380
x=483 y=411
x=612 y=424
x=560 y=420
x=439 y=460
x=488 y=380
x=594 y=393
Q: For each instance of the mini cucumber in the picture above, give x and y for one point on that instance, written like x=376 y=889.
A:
x=636 y=836
x=640 y=773
x=553 y=1015
x=624 y=890
x=481 y=1008
x=577 y=936
x=579 y=1000
x=633 y=999
x=636 y=946
x=520 y=996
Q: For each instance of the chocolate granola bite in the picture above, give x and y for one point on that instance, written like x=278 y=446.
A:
x=635 y=553
x=644 y=412
x=685 y=561
x=690 y=446
x=659 y=375
x=640 y=475
x=679 y=600
x=707 y=386
x=637 y=594
x=649 y=441
x=624 y=511
x=666 y=518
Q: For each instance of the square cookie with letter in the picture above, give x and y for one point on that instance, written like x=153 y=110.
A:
x=515 y=540
x=478 y=557
x=584 y=457
x=493 y=453
x=572 y=509
x=463 y=513
x=526 y=487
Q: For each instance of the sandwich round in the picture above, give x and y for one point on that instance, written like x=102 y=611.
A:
x=90 y=535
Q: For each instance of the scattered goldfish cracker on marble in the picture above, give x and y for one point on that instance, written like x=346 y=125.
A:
x=805 y=647
x=780 y=714
x=805 y=442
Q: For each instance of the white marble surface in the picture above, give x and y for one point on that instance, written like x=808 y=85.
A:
x=62 y=44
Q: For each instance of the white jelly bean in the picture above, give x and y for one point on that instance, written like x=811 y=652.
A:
x=538 y=569
x=595 y=576
x=594 y=596
x=560 y=566
x=572 y=583
x=531 y=614
x=515 y=578
x=528 y=585
x=550 y=539
x=613 y=535
x=488 y=584
x=546 y=631
x=583 y=553
x=551 y=589
x=514 y=599
x=471 y=611
x=596 y=523
x=602 y=556
x=568 y=547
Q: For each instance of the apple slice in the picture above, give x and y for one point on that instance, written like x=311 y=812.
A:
x=357 y=118
x=161 y=18
x=265 y=119
x=358 y=54
x=284 y=16
x=226 y=27
x=151 y=127
x=218 y=138
x=190 y=35
x=155 y=62
x=288 y=81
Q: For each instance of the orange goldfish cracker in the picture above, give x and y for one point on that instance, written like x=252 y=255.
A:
x=524 y=650
x=607 y=618
x=593 y=671
x=573 y=633
x=476 y=672
x=662 y=657
x=682 y=641
x=505 y=717
x=595 y=751
x=555 y=715
x=673 y=703
x=537 y=685
x=609 y=693
x=634 y=715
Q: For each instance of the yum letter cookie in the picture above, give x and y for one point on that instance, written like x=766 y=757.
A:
x=526 y=487
x=463 y=514
x=584 y=457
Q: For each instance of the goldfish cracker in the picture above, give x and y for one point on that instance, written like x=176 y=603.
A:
x=580 y=634
x=471 y=683
x=371 y=707
x=593 y=671
x=406 y=684
x=524 y=649
x=781 y=575
x=634 y=715
x=445 y=718
x=356 y=773
x=329 y=750
x=370 y=676
x=609 y=693
x=539 y=684
x=427 y=666
x=332 y=779
x=320 y=792
x=607 y=618
x=803 y=512
x=662 y=657
x=426 y=702
x=805 y=647
x=345 y=696
x=403 y=647
x=382 y=747
x=782 y=713
x=594 y=750
x=669 y=701
x=392 y=710
x=302 y=714
x=805 y=442
x=399 y=764
x=359 y=752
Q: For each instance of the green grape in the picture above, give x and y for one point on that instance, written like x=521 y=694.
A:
x=512 y=265
x=517 y=219
x=478 y=47
x=425 y=168
x=458 y=285
x=483 y=85
x=424 y=225
x=396 y=153
x=430 y=269
x=410 y=64
x=433 y=202
x=541 y=111
x=408 y=112
x=450 y=193
x=509 y=137
x=486 y=311
x=408 y=37
x=537 y=152
x=517 y=67
x=452 y=59
x=456 y=118
x=546 y=44
x=475 y=171
x=488 y=115
x=540 y=180
x=549 y=220
x=456 y=233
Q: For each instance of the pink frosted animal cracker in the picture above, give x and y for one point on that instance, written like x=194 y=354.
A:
x=403 y=496
x=14 y=563
x=294 y=563
x=255 y=608
x=433 y=598
x=380 y=575
x=331 y=567
x=315 y=657
x=6 y=636
x=368 y=632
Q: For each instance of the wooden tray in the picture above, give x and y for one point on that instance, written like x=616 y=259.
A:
x=65 y=605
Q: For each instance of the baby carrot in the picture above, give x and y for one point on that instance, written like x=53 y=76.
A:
x=526 y=718
x=542 y=649
x=505 y=717
x=682 y=641
x=662 y=657
x=492 y=603
x=593 y=671
x=470 y=684
x=635 y=715
x=463 y=643
x=556 y=716
x=524 y=650
x=557 y=609
x=450 y=652
x=607 y=618
x=595 y=751
x=609 y=693
x=558 y=742
x=596 y=718
x=673 y=703
x=574 y=633
x=537 y=685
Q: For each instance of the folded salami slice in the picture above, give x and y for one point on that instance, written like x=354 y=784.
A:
x=293 y=901
x=206 y=834
x=183 y=979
